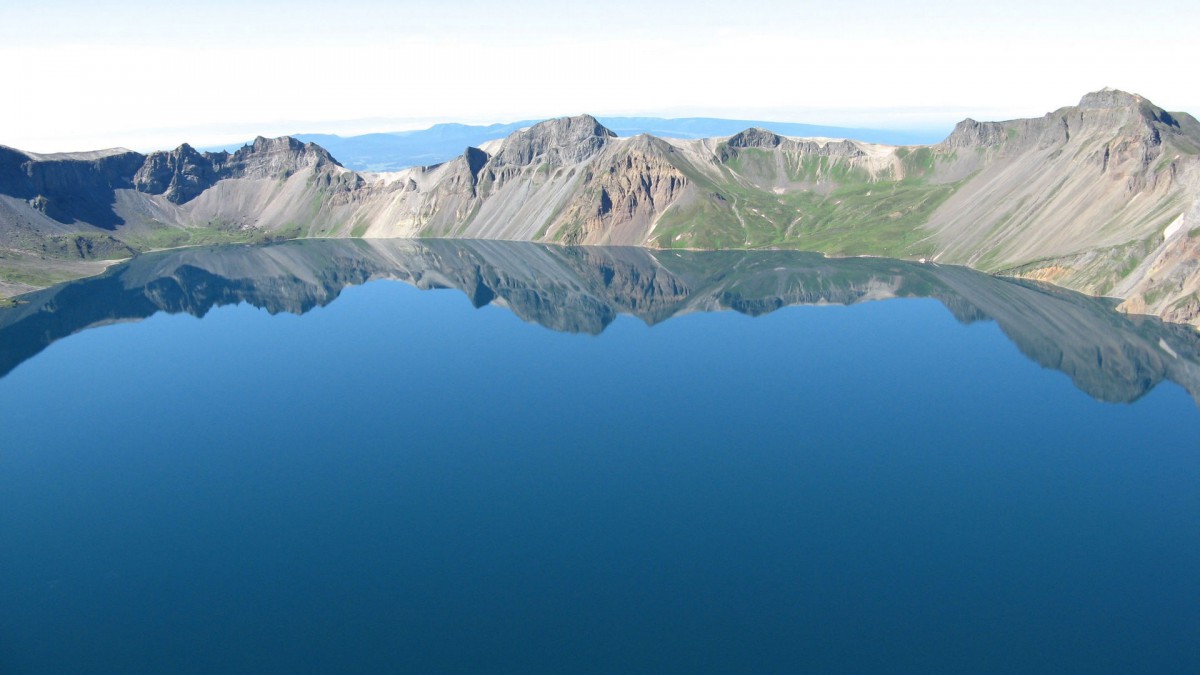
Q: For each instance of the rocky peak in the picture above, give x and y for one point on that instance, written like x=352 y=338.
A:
x=282 y=152
x=475 y=159
x=183 y=173
x=1119 y=109
x=276 y=158
x=647 y=143
x=559 y=142
x=262 y=144
x=1110 y=98
x=1107 y=111
x=970 y=133
x=180 y=175
x=1125 y=106
x=755 y=137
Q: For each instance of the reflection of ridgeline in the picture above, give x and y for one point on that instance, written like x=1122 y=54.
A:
x=1111 y=356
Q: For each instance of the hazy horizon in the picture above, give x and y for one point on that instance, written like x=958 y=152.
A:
x=213 y=136
x=145 y=75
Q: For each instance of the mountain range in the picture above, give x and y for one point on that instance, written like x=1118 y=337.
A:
x=442 y=142
x=1101 y=197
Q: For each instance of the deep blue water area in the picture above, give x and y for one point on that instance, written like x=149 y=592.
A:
x=365 y=475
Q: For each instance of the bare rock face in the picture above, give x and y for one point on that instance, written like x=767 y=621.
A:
x=183 y=173
x=179 y=175
x=629 y=190
x=558 y=142
x=755 y=138
x=1137 y=118
x=1109 y=98
x=69 y=188
x=969 y=133
x=475 y=160
x=275 y=158
x=1108 y=111
x=13 y=176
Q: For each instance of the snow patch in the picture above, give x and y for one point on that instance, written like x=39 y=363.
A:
x=1167 y=348
x=1175 y=226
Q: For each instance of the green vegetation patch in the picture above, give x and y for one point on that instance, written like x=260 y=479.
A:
x=33 y=277
x=213 y=233
x=159 y=238
x=858 y=217
x=39 y=271
x=285 y=233
x=754 y=163
x=1155 y=294
x=918 y=162
x=83 y=246
x=813 y=168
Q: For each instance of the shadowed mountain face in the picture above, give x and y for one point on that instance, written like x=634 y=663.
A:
x=1111 y=356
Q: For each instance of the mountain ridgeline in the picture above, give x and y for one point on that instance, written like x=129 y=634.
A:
x=393 y=151
x=1102 y=197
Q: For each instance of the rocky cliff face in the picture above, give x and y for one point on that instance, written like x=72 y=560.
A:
x=81 y=188
x=71 y=188
x=179 y=175
x=624 y=195
x=1102 y=196
x=79 y=207
x=1081 y=197
x=559 y=142
x=755 y=138
x=183 y=174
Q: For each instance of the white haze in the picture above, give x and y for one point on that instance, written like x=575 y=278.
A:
x=150 y=75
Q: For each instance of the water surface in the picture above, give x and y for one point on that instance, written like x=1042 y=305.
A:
x=599 y=460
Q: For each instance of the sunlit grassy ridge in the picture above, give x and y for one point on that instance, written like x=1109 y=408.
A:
x=830 y=205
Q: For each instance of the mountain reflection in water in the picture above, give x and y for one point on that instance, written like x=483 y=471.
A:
x=1111 y=356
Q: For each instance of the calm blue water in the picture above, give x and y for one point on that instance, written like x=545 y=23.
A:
x=399 y=481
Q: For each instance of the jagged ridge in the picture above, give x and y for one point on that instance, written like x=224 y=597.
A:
x=1085 y=196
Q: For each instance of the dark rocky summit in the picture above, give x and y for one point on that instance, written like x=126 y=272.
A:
x=558 y=142
x=755 y=138
x=183 y=173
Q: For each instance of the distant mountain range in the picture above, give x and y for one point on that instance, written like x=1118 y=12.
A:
x=1102 y=197
x=381 y=152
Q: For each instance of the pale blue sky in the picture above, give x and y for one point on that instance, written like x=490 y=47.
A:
x=149 y=74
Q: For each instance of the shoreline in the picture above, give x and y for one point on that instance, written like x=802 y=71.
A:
x=15 y=300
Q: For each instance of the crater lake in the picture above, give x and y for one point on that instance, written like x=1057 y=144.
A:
x=438 y=456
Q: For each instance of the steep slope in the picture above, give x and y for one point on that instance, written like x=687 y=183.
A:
x=166 y=198
x=755 y=189
x=1102 y=197
x=1113 y=171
